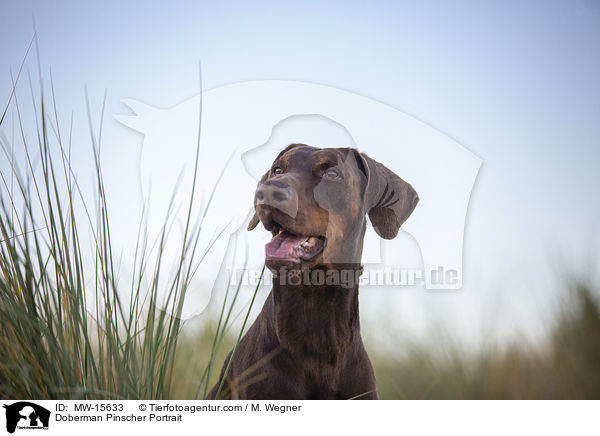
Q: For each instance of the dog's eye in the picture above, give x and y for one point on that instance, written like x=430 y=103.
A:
x=277 y=170
x=332 y=173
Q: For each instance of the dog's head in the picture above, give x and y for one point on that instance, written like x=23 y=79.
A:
x=315 y=201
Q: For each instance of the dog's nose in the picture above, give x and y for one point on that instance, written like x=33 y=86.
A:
x=278 y=195
x=272 y=193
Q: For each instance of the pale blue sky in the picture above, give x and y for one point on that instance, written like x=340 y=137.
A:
x=515 y=82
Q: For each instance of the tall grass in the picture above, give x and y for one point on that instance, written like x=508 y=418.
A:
x=564 y=365
x=66 y=329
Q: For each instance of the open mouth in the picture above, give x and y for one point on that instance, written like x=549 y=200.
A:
x=287 y=247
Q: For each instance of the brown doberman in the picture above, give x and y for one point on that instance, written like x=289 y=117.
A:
x=306 y=343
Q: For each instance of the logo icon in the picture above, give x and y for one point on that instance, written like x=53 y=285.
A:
x=245 y=125
x=26 y=415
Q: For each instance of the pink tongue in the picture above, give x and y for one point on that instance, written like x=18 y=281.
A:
x=284 y=246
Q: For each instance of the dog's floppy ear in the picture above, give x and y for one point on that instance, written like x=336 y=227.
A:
x=255 y=220
x=388 y=199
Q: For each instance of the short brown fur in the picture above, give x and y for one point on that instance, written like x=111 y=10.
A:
x=306 y=343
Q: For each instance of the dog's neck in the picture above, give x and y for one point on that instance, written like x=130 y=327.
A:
x=315 y=311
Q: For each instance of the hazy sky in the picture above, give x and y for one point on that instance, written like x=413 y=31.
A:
x=517 y=83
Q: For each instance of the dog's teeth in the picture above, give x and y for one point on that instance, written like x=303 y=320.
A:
x=280 y=231
x=309 y=241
